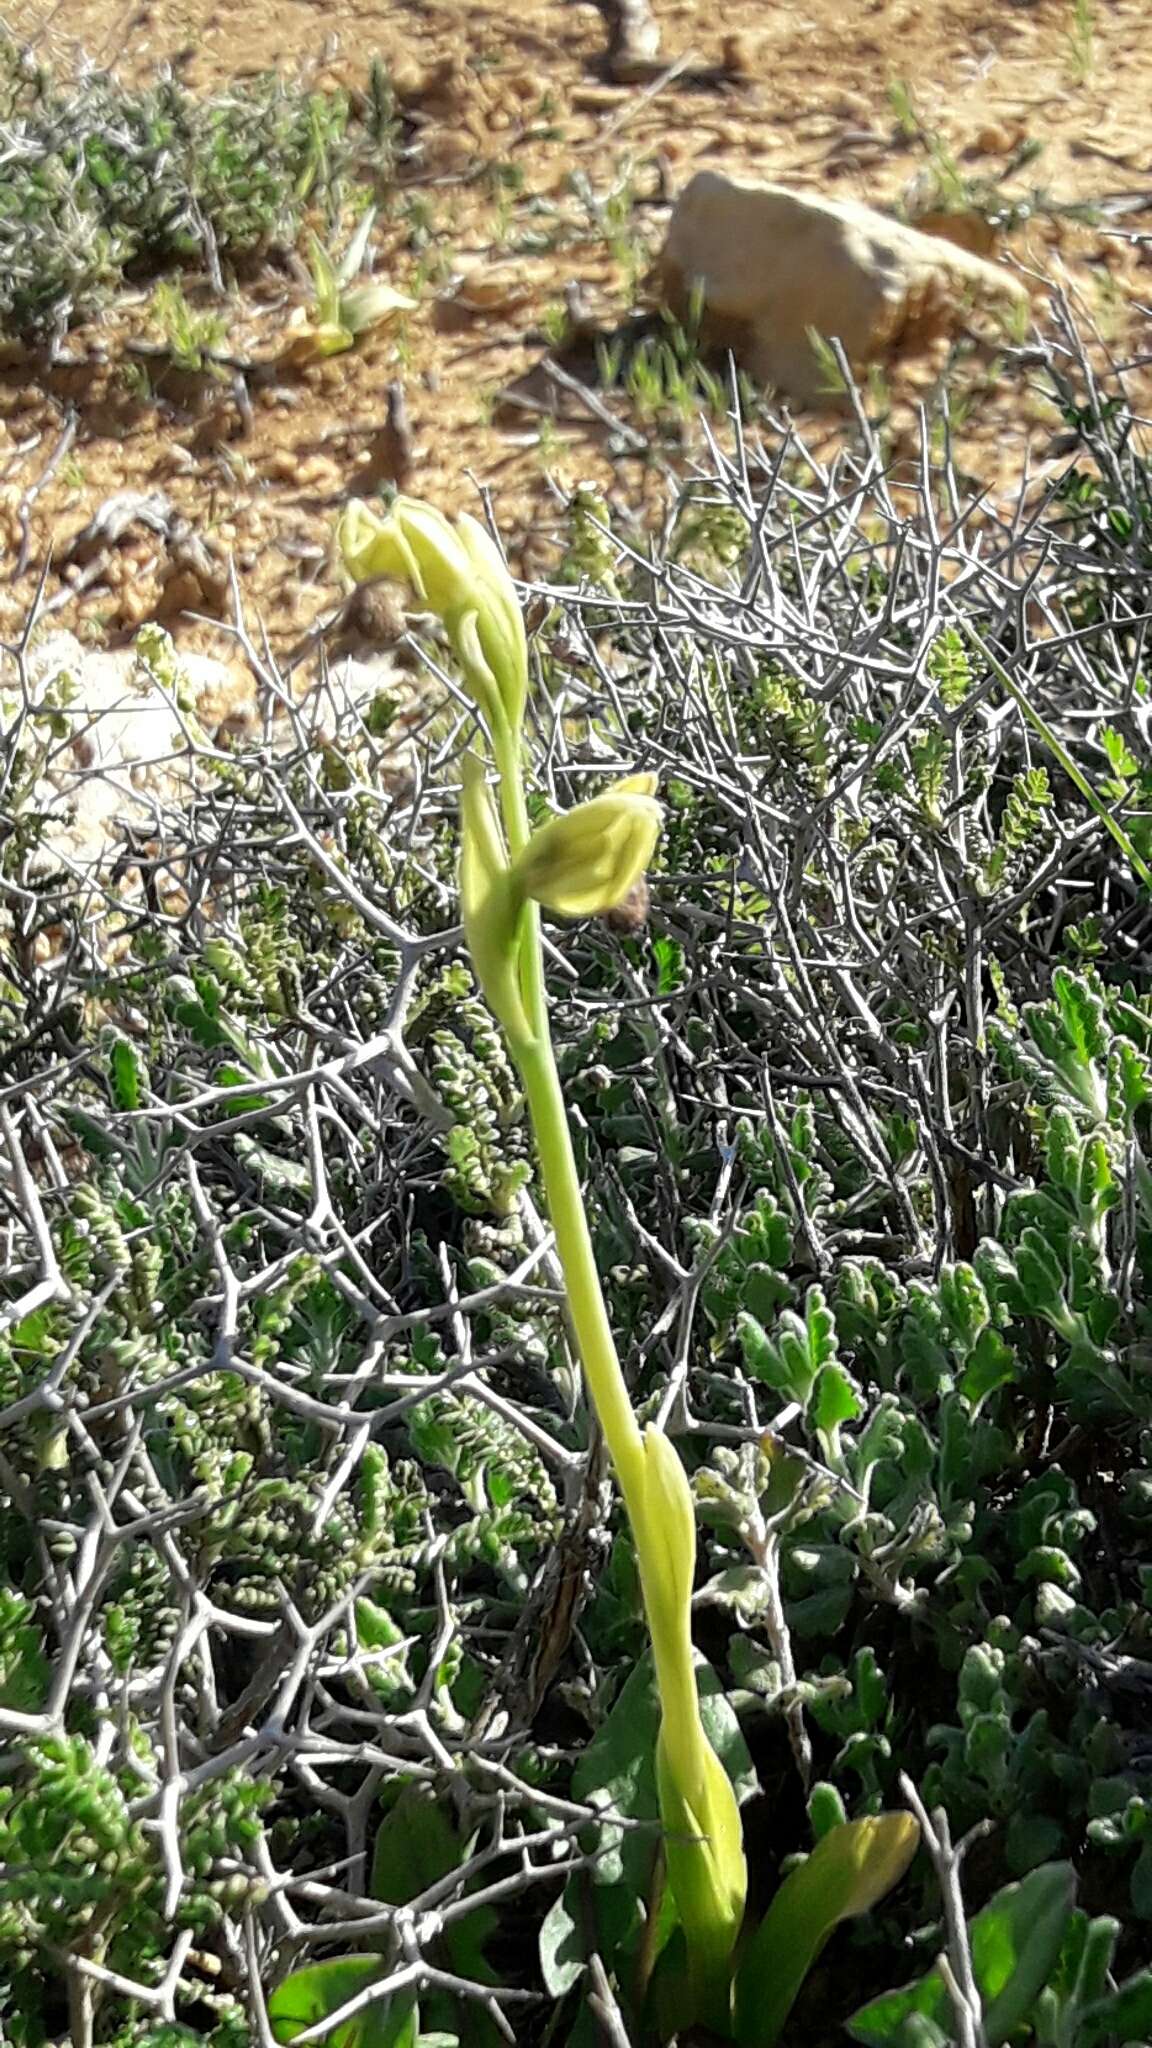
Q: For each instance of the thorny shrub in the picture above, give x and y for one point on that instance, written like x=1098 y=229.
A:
x=318 y=1648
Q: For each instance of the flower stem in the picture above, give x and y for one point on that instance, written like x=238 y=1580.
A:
x=697 y=1802
x=669 y=1626
x=667 y=1608
x=592 y=1330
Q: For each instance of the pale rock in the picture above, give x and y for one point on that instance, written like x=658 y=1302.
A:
x=354 y=682
x=133 y=750
x=776 y=265
x=124 y=754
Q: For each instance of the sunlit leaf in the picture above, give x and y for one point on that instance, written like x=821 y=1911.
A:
x=850 y=1868
x=320 y=1989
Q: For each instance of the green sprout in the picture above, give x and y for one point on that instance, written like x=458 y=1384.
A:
x=343 y=310
x=1081 y=41
x=192 y=339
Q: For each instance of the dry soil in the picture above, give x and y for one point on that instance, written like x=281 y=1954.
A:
x=525 y=171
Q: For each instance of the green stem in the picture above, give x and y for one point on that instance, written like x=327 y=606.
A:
x=670 y=1632
x=656 y=1495
x=506 y=750
x=590 y=1324
x=669 y=1620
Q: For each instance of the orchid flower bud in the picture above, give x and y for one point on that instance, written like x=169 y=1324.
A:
x=586 y=861
x=459 y=573
x=411 y=541
x=500 y=624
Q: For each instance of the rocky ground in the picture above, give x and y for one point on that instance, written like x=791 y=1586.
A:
x=534 y=190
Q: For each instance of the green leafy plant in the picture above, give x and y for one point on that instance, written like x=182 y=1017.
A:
x=1037 y=1962
x=102 y=177
x=415 y=1848
x=1015 y=1942
x=190 y=338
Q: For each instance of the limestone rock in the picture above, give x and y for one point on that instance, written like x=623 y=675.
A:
x=969 y=229
x=128 y=739
x=774 y=265
x=123 y=750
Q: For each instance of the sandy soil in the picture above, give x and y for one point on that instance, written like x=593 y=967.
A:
x=511 y=116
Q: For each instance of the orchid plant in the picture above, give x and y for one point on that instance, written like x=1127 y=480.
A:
x=579 y=864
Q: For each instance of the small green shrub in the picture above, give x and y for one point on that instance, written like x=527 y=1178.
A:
x=102 y=180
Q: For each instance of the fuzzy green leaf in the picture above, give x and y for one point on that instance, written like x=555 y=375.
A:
x=128 y=1075
x=992 y=1364
x=1039 y=1272
x=835 y=1401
